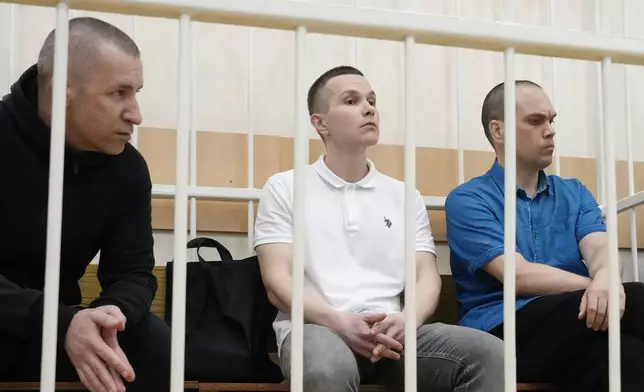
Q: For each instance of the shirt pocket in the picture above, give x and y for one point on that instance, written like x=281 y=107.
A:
x=563 y=242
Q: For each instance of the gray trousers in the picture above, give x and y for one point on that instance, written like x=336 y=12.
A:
x=450 y=358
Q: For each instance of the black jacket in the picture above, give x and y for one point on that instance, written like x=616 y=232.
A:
x=106 y=208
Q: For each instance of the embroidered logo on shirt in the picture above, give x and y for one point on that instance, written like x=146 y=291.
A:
x=387 y=222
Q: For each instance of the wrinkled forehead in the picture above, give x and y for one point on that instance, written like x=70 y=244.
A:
x=533 y=100
x=348 y=84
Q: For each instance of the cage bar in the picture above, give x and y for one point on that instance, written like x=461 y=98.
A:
x=509 y=269
x=55 y=200
x=301 y=155
x=410 y=216
x=178 y=334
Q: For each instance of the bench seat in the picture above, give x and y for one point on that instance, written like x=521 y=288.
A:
x=447 y=312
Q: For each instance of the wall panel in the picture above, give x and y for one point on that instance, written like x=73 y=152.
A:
x=222 y=162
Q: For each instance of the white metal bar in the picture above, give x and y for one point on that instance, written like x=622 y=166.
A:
x=193 y=142
x=355 y=54
x=434 y=203
x=410 y=217
x=456 y=85
x=11 y=58
x=181 y=206
x=55 y=200
x=630 y=202
x=208 y=193
x=553 y=97
x=611 y=228
x=251 y=141
x=383 y=24
x=629 y=153
x=135 y=134
x=509 y=270
x=301 y=153
x=600 y=160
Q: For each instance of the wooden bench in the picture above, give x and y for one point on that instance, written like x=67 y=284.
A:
x=447 y=312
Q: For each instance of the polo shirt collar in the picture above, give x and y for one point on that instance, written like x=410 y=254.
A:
x=331 y=178
x=497 y=172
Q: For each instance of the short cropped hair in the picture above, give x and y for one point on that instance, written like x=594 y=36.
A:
x=314 y=99
x=493 y=105
x=85 y=36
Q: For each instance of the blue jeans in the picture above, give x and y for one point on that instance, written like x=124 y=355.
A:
x=450 y=358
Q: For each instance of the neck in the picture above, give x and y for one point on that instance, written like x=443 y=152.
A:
x=44 y=106
x=350 y=166
x=527 y=177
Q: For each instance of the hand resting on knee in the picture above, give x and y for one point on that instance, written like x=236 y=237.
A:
x=93 y=349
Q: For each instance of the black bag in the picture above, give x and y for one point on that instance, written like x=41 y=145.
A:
x=228 y=319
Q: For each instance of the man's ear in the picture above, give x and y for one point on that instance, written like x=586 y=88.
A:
x=317 y=120
x=69 y=92
x=497 y=132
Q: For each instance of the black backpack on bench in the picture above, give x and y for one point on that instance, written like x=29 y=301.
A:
x=228 y=319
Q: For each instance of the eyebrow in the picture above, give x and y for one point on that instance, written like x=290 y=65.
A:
x=356 y=92
x=541 y=115
x=126 y=86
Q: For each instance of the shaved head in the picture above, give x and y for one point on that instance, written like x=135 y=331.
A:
x=86 y=38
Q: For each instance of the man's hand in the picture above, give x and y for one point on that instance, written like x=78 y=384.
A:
x=392 y=327
x=110 y=338
x=91 y=355
x=594 y=303
x=355 y=329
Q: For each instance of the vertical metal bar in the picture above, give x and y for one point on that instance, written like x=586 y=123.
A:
x=355 y=42
x=508 y=13
x=11 y=58
x=632 y=215
x=181 y=206
x=611 y=227
x=610 y=206
x=55 y=200
x=410 y=217
x=251 y=141
x=509 y=270
x=456 y=83
x=193 y=143
x=135 y=134
x=301 y=147
x=553 y=69
x=600 y=160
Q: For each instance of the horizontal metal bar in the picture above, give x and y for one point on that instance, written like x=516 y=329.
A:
x=436 y=203
x=208 y=193
x=630 y=202
x=382 y=24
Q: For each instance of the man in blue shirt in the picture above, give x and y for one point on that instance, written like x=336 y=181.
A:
x=561 y=259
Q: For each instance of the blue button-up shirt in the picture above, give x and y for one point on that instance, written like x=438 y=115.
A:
x=548 y=230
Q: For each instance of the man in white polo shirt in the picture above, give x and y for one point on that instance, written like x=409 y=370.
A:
x=355 y=266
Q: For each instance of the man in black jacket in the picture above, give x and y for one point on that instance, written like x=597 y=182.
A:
x=116 y=341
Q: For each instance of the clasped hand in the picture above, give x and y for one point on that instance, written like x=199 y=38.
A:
x=92 y=346
x=374 y=336
x=594 y=303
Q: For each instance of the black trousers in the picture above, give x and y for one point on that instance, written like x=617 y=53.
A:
x=553 y=345
x=146 y=345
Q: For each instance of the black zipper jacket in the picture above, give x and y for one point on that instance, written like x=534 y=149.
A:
x=106 y=208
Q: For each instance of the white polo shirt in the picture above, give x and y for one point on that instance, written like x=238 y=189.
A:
x=355 y=237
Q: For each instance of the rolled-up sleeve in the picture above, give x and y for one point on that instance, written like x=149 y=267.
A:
x=590 y=218
x=474 y=233
x=424 y=238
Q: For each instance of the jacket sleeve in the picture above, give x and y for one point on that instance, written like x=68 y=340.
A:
x=127 y=257
x=21 y=312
